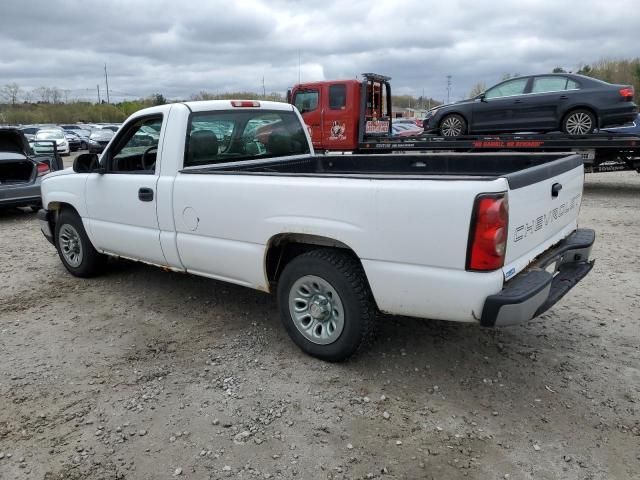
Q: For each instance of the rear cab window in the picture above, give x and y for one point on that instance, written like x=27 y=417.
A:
x=223 y=136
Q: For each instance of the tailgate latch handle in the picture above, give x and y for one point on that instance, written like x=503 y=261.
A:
x=555 y=189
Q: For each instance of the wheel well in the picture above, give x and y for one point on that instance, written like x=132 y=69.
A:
x=581 y=107
x=285 y=247
x=55 y=209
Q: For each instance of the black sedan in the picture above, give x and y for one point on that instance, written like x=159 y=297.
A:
x=574 y=104
x=99 y=139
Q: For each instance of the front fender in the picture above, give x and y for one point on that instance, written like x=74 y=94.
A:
x=65 y=189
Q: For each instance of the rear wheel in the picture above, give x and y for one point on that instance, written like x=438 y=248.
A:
x=74 y=247
x=579 y=122
x=326 y=305
x=453 y=125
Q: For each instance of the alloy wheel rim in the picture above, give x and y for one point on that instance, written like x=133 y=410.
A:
x=579 y=124
x=316 y=309
x=451 y=127
x=70 y=245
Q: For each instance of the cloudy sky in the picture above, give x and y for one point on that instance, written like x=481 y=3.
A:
x=180 y=47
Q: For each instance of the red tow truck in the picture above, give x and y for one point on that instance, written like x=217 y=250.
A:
x=356 y=115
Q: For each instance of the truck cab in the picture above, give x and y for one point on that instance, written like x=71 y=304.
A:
x=339 y=113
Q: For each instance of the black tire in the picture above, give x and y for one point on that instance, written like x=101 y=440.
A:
x=345 y=275
x=575 y=122
x=83 y=145
x=452 y=125
x=92 y=261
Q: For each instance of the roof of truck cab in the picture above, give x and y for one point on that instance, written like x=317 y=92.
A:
x=205 y=105
x=322 y=83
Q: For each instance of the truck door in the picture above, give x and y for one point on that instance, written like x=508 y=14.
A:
x=339 y=125
x=501 y=107
x=121 y=202
x=307 y=101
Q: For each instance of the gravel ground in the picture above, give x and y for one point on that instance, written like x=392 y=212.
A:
x=144 y=374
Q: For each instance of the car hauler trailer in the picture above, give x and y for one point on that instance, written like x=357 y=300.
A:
x=356 y=116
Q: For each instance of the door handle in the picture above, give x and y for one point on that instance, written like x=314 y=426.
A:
x=555 y=189
x=145 y=194
x=517 y=101
x=563 y=97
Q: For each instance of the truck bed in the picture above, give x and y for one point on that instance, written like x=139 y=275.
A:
x=519 y=168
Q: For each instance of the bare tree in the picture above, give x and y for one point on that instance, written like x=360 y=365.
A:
x=11 y=92
x=56 y=95
x=477 y=89
x=43 y=94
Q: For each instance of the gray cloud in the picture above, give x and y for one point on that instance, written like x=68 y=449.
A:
x=181 y=47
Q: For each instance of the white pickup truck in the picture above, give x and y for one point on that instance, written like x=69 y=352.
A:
x=232 y=190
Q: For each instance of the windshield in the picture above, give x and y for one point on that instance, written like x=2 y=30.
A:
x=101 y=135
x=50 y=135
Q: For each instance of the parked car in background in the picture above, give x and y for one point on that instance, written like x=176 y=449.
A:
x=71 y=127
x=73 y=140
x=56 y=134
x=113 y=128
x=574 y=104
x=99 y=139
x=405 y=129
x=83 y=135
x=30 y=132
x=21 y=171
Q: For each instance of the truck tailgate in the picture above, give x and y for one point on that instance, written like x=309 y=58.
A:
x=544 y=203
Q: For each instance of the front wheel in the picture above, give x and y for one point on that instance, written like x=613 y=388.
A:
x=326 y=305
x=74 y=247
x=579 y=122
x=453 y=125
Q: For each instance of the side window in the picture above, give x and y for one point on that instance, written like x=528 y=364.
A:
x=229 y=136
x=337 y=97
x=549 y=84
x=137 y=148
x=306 y=100
x=572 y=85
x=507 y=89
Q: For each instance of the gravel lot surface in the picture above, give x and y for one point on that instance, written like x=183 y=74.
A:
x=144 y=374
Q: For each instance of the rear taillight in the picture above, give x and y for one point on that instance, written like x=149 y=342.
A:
x=43 y=169
x=488 y=233
x=627 y=93
x=244 y=103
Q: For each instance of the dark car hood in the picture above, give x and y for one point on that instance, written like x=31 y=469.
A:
x=13 y=140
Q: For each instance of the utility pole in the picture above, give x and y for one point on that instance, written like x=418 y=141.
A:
x=299 y=66
x=106 y=81
x=448 y=88
x=98 y=87
x=264 y=92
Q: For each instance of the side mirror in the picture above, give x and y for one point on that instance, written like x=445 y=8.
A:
x=87 y=163
x=483 y=97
